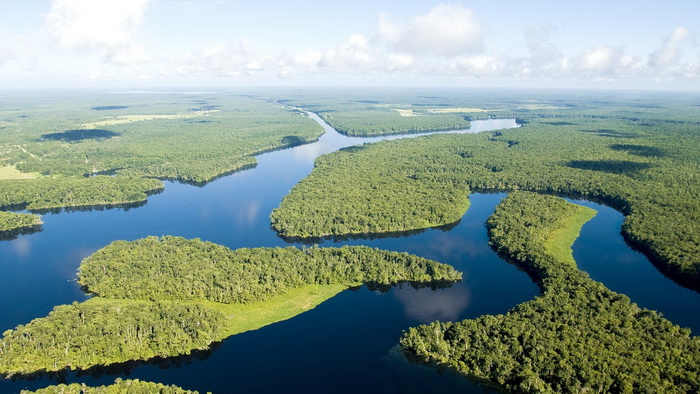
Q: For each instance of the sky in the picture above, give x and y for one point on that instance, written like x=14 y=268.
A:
x=645 y=45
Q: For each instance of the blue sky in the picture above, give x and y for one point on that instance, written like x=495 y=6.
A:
x=181 y=43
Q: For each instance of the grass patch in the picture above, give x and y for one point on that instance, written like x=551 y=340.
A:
x=456 y=110
x=405 y=112
x=10 y=172
x=114 y=120
x=559 y=242
x=248 y=317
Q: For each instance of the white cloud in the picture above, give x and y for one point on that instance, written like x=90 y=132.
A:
x=396 y=62
x=133 y=54
x=446 y=30
x=606 y=61
x=670 y=53
x=229 y=60
x=76 y=24
x=354 y=55
x=475 y=65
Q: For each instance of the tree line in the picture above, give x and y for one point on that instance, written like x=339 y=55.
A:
x=577 y=336
x=156 y=295
x=649 y=171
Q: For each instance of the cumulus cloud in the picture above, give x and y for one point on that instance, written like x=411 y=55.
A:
x=230 y=60
x=354 y=54
x=76 y=24
x=606 y=61
x=446 y=30
x=670 y=53
x=475 y=65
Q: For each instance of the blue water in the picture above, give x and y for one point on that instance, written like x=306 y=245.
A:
x=347 y=343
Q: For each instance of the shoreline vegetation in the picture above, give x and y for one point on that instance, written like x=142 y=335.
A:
x=576 y=336
x=120 y=386
x=647 y=170
x=57 y=152
x=169 y=296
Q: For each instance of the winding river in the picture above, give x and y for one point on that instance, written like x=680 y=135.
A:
x=346 y=344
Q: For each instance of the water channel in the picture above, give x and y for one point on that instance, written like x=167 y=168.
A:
x=346 y=344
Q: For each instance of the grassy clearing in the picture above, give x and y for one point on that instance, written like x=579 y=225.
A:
x=114 y=120
x=10 y=172
x=560 y=240
x=456 y=110
x=249 y=317
x=405 y=112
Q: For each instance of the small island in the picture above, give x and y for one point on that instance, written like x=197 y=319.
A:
x=120 y=386
x=169 y=296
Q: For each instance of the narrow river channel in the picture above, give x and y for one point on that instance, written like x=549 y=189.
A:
x=347 y=343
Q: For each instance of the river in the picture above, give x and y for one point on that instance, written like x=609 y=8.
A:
x=346 y=344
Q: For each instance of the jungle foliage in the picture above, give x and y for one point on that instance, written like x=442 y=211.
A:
x=120 y=386
x=10 y=221
x=64 y=192
x=175 y=268
x=383 y=121
x=161 y=297
x=191 y=138
x=649 y=170
x=577 y=336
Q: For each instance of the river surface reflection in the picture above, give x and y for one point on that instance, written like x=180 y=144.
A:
x=348 y=342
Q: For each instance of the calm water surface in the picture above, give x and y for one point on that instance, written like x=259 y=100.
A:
x=346 y=344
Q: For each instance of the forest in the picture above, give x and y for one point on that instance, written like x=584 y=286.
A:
x=120 y=386
x=647 y=169
x=577 y=336
x=66 y=141
x=162 y=297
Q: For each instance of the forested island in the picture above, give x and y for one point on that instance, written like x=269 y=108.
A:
x=646 y=168
x=161 y=297
x=577 y=336
x=120 y=386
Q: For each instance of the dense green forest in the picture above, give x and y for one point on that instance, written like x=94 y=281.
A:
x=175 y=268
x=647 y=169
x=383 y=120
x=64 y=140
x=61 y=192
x=161 y=297
x=120 y=386
x=577 y=336
x=190 y=138
x=10 y=221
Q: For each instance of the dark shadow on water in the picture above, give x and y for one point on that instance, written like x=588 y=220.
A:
x=80 y=135
x=362 y=236
x=415 y=365
x=121 y=369
x=204 y=183
x=690 y=281
x=9 y=235
x=434 y=285
x=90 y=208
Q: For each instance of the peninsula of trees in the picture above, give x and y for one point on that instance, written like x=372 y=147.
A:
x=161 y=297
x=58 y=147
x=577 y=336
x=648 y=169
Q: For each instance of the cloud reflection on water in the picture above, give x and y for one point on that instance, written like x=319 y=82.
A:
x=427 y=305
